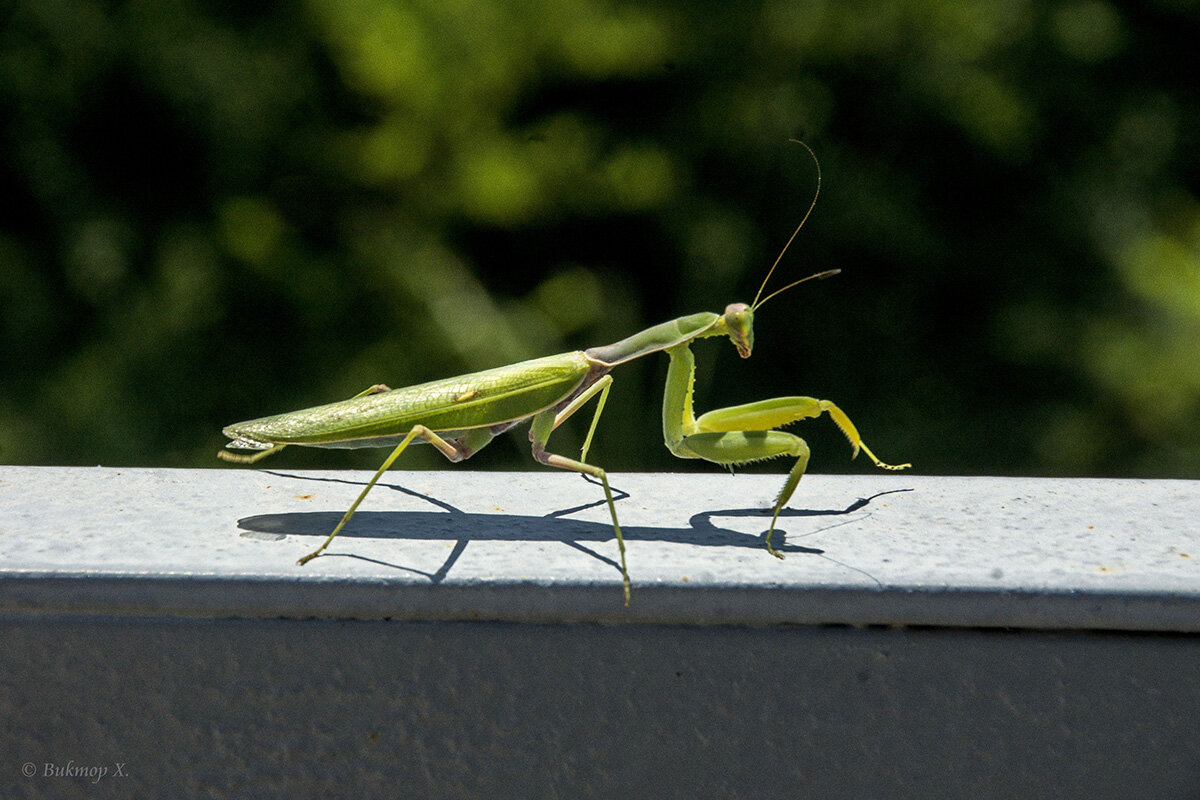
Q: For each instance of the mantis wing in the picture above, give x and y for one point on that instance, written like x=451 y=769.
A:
x=481 y=399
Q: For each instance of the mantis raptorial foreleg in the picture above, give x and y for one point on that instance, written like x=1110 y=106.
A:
x=744 y=433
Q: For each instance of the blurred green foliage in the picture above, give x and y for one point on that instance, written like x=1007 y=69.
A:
x=219 y=210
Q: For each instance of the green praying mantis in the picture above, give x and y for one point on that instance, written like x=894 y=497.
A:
x=461 y=415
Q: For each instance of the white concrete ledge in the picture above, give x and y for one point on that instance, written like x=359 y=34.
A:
x=870 y=549
x=925 y=638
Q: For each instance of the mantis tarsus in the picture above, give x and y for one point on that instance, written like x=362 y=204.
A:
x=461 y=415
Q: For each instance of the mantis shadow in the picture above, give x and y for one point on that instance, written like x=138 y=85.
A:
x=452 y=524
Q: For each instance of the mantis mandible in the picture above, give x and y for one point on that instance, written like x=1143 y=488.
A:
x=459 y=416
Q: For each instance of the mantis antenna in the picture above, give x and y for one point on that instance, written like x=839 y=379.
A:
x=827 y=273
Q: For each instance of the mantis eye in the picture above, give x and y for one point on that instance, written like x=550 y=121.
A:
x=739 y=322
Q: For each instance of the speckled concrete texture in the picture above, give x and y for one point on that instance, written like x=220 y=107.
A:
x=537 y=546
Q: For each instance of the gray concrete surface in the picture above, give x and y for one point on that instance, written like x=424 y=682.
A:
x=895 y=549
x=925 y=638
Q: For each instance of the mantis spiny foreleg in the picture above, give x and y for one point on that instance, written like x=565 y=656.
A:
x=740 y=434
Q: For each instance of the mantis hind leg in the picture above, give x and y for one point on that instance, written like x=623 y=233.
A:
x=455 y=450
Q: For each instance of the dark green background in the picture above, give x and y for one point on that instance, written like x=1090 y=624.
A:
x=217 y=211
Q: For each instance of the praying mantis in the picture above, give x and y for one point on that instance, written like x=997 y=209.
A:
x=459 y=416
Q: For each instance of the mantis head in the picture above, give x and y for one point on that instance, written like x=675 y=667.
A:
x=739 y=325
x=738 y=319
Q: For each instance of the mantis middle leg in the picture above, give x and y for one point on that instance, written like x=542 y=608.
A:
x=740 y=434
x=545 y=423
